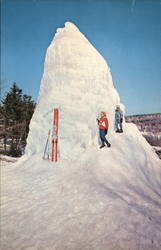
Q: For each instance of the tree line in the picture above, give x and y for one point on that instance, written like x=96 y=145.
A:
x=16 y=110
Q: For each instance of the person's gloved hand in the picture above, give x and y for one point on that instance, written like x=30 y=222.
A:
x=98 y=120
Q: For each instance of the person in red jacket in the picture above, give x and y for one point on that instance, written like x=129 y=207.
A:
x=103 y=128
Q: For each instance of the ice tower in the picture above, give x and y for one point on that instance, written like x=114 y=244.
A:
x=78 y=82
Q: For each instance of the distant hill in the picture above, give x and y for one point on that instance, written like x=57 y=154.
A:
x=149 y=125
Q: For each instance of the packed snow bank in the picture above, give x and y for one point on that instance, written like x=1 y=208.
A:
x=104 y=200
x=91 y=199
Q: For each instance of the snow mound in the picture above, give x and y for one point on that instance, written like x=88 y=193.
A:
x=91 y=199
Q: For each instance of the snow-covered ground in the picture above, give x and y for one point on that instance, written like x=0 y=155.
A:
x=97 y=202
x=6 y=160
x=92 y=199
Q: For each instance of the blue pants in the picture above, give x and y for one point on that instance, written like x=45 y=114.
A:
x=118 y=124
x=103 y=133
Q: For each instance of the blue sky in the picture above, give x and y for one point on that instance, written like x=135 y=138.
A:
x=126 y=32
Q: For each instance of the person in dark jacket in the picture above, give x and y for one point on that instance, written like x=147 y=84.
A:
x=103 y=128
x=118 y=119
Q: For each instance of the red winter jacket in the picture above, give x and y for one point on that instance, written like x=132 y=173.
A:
x=103 y=123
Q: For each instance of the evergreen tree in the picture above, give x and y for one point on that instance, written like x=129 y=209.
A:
x=12 y=104
x=16 y=109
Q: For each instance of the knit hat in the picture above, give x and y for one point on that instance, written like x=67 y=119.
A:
x=104 y=113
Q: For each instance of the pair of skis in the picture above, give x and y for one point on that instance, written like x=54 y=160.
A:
x=54 y=153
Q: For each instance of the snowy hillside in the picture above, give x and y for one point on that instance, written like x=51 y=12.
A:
x=92 y=199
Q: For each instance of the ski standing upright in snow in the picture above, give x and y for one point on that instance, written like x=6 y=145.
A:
x=55 y=136
x=46 y=147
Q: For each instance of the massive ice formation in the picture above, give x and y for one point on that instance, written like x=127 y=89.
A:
x=77 y=80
